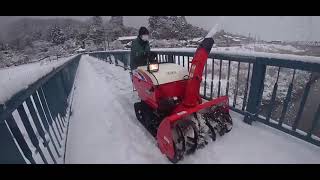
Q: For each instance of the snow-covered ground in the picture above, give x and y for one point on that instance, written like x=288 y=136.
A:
x=104 y=129
x=261 y=47
x=14 y=79
x=271 y=47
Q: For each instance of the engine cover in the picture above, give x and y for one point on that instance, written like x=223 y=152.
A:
x=168 y=72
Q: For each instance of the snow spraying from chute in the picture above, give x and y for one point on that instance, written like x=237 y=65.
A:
x=215 y=29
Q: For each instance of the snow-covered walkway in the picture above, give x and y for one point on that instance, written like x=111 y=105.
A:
x=104 y=129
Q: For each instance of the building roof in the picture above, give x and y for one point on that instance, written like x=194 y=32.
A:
x=124 y=38
x=196 y=39
x=80 y=50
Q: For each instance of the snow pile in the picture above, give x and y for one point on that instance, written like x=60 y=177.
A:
x=104 y=128
x=14 y=79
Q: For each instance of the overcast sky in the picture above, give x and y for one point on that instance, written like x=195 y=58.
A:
x=266 y=27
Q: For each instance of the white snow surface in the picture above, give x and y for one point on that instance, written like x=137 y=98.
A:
x=14 y=79
x=104 y=129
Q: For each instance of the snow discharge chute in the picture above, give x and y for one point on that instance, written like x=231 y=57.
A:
x=171 y=107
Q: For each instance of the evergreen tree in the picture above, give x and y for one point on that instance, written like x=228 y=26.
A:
x=173 y=27
x=96 y=31
x=56 y=35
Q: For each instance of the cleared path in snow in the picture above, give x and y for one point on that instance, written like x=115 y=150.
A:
x=104 y=129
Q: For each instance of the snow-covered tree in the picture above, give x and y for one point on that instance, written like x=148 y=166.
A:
x=70 y=44
x=56 y=51
x=173 y=27
x=116 y=20
x=56 y=35
x=96 y=31
x=115 y=28
x=2 y=46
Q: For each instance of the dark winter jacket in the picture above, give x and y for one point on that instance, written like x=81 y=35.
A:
x=139 y=50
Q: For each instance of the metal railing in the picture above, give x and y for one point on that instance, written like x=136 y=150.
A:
x=118 y=57
x=281 y=91
x=34 y=122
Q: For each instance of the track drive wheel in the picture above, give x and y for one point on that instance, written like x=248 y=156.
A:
x=179 y=144
x=212 y=132
x=138 y=108
x=145 y=115
x=229 y=123
x=225 y=121
x=185 y=139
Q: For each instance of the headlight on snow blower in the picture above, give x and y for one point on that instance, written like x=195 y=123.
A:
x=154 y=67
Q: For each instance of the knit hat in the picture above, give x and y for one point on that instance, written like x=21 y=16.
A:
x=143 y=31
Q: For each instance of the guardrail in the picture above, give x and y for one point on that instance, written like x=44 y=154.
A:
x=281 y=91
x=34 y=122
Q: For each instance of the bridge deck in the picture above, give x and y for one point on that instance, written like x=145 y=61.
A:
x=103 y=128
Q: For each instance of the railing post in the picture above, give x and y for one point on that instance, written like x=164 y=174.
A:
x=1 y=109
x=124 y=61
x=9 y=152
x=127 y=55
x=115 y=59
x=256 y=90
x=170 y=58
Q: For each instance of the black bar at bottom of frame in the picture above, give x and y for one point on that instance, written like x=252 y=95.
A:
x=162 y=171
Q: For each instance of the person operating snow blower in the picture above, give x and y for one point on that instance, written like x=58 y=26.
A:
x=140 y=54
x=140 y=49
x=171 y=108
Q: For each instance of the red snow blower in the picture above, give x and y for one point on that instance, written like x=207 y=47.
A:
x=171 y=108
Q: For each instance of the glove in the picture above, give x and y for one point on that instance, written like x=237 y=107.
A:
x=151 y=56
x=145 y=55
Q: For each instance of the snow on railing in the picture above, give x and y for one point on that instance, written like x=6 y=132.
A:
x=34 y=111
x=17 y=78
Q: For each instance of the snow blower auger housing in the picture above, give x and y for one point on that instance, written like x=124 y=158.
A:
x=171 y=108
